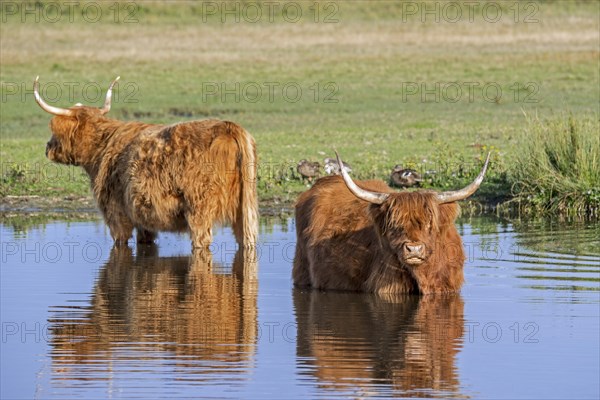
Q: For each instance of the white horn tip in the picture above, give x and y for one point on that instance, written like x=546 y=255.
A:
x=337 y=156
x=485 y=164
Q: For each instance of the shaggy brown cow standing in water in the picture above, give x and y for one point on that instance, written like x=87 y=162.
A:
x=365 y=237
x=153 y=178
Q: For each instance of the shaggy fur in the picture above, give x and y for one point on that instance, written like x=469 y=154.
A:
x=163 y=177
x=345 y=243
x=407 y=342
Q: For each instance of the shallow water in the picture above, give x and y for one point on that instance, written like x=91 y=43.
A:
x=82 y=320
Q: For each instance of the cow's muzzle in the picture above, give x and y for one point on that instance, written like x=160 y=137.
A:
x=51 y=147
x=413 y=253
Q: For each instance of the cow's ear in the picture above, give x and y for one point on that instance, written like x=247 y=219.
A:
x=448 y=213
x=378 y=214
x=84 y=117
x=379 y=210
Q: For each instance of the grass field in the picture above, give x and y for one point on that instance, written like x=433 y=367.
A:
x=383 y=82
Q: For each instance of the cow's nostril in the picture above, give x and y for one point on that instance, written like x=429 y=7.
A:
x=414 y=248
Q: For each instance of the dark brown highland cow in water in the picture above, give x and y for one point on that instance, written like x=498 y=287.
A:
x=176 y=177
x=365 y=237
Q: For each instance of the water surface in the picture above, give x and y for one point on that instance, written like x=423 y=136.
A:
x=81 y=319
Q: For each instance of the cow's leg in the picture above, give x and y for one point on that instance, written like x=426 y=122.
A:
x=144 y=236
x=247 y=250
x=121 y=227
x=121 y=230
x=238 y=232
x=300 y=273
x=238 y=229
x=200 y=229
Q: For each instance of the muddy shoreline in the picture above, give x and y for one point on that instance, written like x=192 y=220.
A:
x=84 y=207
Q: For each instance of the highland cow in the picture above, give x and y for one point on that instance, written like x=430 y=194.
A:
x=184 y=176
x=363 y=236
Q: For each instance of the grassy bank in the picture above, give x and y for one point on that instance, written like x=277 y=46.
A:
x=382 y=86
x=557 y=168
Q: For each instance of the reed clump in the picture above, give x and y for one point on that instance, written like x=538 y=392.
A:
x=557 y=168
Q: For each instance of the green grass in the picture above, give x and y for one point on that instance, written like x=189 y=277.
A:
x=557 y=168
x=369 y=58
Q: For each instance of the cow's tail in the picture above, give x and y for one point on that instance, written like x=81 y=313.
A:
x=247 y=213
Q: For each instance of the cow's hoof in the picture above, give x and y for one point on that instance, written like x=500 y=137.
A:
x=145 y=237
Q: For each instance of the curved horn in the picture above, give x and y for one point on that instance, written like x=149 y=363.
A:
x=108 y=99
x=371 y=197
x=449 y=197
x=47 y=107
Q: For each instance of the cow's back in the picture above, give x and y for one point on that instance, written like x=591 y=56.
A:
x=171 y=169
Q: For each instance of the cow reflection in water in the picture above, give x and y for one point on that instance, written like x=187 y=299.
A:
x=188 y=307
x=358 y=342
